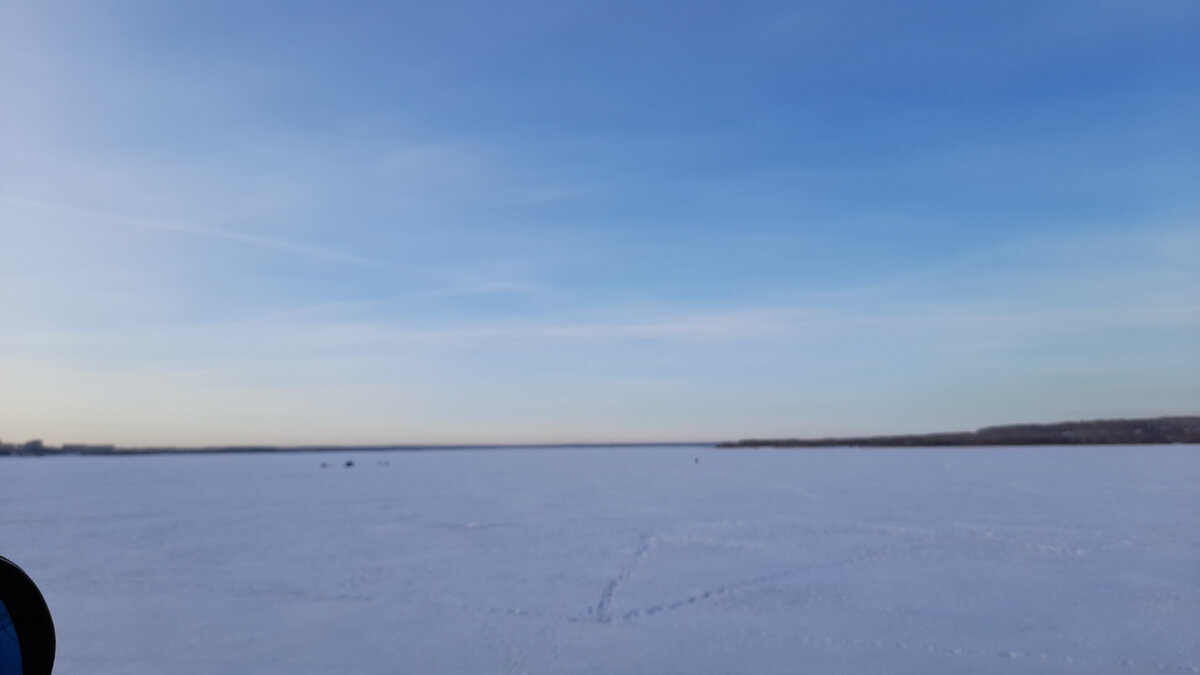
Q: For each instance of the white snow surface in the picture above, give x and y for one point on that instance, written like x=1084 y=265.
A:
x=616 y=560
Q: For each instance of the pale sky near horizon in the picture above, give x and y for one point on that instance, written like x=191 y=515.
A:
x=561 y=221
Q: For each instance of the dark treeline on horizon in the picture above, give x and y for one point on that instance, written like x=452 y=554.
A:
x=1156 y=430
x=1095 y=432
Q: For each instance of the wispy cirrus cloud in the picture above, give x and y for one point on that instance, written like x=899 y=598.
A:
x=449 y=171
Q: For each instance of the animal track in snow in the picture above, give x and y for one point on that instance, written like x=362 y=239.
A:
x=601 y=610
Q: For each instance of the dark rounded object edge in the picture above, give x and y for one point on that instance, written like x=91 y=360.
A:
x=30 y=616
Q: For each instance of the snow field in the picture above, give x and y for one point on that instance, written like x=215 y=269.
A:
x=1031 y=560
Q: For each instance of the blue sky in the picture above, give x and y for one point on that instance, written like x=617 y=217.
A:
x=580 y=221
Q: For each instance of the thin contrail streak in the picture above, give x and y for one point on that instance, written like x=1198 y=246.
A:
x=285 y=245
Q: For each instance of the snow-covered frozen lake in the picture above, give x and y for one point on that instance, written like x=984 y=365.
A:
x=1037 y=560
